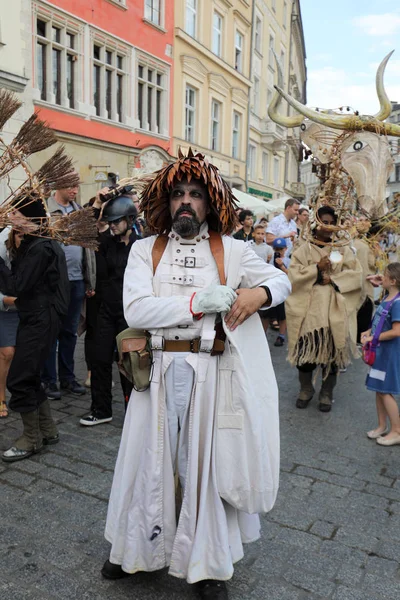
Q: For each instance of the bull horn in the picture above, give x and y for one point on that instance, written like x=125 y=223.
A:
x=347 y=122
x=386 y=107
x=274 y=115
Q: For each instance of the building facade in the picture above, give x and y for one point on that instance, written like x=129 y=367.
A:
x=15 y=27
x=273 y=151
x=101 y=74
x=212 y=81
x=394 y=179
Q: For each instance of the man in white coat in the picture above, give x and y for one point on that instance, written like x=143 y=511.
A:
x=209 y=421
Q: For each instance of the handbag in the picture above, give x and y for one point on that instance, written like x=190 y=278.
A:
x=135 y=359
x=369 y=348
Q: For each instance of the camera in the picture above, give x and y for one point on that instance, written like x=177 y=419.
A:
x=115 y=192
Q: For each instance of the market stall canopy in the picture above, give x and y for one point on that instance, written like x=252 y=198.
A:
x=256 y=205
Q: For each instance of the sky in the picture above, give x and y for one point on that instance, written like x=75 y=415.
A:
x=345 y=42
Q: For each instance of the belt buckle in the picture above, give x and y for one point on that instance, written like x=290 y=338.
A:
x=156 y=346
x=192 y=348
x=190 y=261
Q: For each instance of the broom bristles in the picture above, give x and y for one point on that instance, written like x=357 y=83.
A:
x=57 y=173
x=9 y=104
x=34 y=136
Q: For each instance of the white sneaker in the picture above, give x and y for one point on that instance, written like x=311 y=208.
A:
x=91 y=420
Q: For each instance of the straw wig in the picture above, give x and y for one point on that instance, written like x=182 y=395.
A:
x=155 y=196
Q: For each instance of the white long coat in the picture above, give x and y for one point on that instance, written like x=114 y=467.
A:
x=229 y=436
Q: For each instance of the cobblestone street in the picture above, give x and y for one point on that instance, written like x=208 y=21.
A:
x=334 y=532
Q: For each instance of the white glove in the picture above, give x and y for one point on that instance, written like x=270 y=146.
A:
x=215 y=298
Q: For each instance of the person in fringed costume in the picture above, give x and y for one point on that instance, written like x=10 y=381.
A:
x=321 y=312
x=208 y=417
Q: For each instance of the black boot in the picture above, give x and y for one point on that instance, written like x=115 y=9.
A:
x=326 y=393
x=210 y=589
x=306 y=389
x=30 y=441
x=112 y=571
x=47 y=425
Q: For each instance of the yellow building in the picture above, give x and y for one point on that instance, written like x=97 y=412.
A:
x=212 y=50
x=273 y=151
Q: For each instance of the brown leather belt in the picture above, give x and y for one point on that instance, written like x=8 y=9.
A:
x=192 y=346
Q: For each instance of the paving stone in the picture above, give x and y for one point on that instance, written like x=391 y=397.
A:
x=368 y=500
x=356 y=539
x=340 y=552
x=327 y=489
x=323 y=529
x=316 y=563
x=381 y=566
x=309 y=582
x=381 y=587
x=298 y=538
x=389 y=550
x=16 y=478
x=346 y=593
x=374 y=477
x=350 y=575
x=391 y=493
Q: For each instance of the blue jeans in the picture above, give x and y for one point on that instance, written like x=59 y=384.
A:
x=66 y=339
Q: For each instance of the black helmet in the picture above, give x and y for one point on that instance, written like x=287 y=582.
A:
x=123 y=206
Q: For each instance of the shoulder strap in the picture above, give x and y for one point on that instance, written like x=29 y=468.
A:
x=158 y=250
x=217 y=250
x=379 y=327
x=216 y=247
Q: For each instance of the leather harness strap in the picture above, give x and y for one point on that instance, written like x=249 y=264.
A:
x=192 y=346
x=216 y=247
x=217 y=250
x=158 y=250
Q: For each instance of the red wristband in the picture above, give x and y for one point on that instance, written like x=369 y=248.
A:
x=196 y=316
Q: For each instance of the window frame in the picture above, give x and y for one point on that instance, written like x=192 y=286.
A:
x=236 y=130
x=194 y=10
x=256 y=95
x=149 y=11
x=105 y=80
x=152 y=79
x=252 y=151
x=54 y=81
x=258 y=34
x=190 y=109
x=265 y=167
x=240 y=48
x=218 y=32
x=277 y=170
x=215 y=120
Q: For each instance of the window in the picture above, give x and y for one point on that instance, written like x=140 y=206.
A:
x=109 y=82
x=282 y=61
x=269 y=96
x=151 y=98
x=217 y=34
x=274 y=5
x=190 y=113
x=191 y=17
x=258 y=35
x=397 y=172
x=238 y=51
x=284 y=14
x=215 y=125
x=153 y=11
x=256 y=95
x=265 y=165
x=271 y=56
x=251 y=167
x=276 y=170
x=56 y=62
x=236 y=135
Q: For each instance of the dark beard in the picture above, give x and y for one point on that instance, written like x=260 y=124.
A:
x=186 y=226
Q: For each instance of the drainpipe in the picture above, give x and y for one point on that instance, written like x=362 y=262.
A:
x=253 y=14
x=292 y=19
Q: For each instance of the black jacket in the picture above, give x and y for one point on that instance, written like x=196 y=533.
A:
x=111 y=264
x=38 y=276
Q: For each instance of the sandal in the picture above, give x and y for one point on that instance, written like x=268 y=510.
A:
x=3 y=410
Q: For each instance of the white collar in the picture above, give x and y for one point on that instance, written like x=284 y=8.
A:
x=202 y=235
